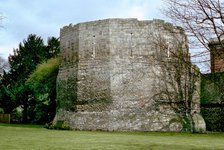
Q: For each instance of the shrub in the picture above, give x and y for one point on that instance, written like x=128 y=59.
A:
x=60 y=125
x=1 y=110
x=214 y=118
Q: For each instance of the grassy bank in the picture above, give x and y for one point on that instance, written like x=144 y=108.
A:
x=34 y=138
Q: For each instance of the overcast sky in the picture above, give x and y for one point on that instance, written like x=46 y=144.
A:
x=45 y=17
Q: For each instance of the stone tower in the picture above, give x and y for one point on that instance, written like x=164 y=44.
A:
x=108 y=75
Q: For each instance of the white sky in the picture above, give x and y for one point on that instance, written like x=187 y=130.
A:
x=45 y=17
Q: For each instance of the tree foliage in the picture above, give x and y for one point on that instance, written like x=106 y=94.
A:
x=22 y=63
x=42 y=82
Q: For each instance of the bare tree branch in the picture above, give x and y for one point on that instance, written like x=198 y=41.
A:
x=203 y=20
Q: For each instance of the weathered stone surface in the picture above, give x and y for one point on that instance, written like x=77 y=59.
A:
x=199 y=123
x=108 y=75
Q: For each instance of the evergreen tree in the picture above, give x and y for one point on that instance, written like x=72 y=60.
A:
x=22 y=63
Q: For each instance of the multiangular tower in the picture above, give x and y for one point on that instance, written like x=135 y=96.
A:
x=109 y=77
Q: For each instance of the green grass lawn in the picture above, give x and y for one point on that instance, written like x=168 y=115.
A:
x=27 y=137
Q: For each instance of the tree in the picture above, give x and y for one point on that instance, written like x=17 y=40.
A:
x=4 y=95
x=23 y=62
x=202 y=20
x=53 y=47
x=42 y=82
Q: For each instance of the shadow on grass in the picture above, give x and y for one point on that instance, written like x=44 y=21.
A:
x=21 y=125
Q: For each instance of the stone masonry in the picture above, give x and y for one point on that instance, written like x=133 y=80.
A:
x=108 y=75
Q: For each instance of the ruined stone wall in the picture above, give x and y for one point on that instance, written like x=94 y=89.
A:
x=108 y=75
